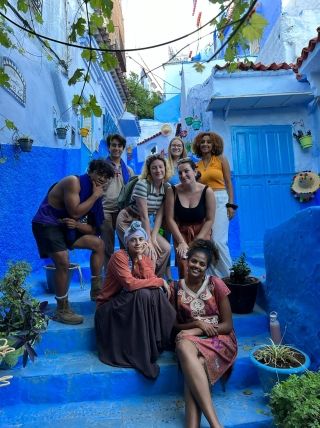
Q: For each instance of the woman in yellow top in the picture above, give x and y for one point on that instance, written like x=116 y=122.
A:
x=215 y=173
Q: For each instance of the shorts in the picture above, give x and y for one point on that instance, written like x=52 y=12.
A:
x=50 y=239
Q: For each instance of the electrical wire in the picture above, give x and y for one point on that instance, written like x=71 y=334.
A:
x=110 y=50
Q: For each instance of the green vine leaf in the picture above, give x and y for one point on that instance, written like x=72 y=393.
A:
x=77 y=29
x=109 y=61
x=10 y=124
x=3 y=4
x=110 y=27
x=76 y=77
x=38 y=17
x=254 y=28
x=4 y=39
x=88 y=55
x=199 y=67
x=4 y=79
x=23 y=6
x=96 y=21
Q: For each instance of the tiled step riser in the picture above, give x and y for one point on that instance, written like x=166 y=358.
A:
x=117 y=384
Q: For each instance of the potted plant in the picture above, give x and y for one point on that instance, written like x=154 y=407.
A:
x=188 y=120
x=276 y=363
x=196 y=124
x=242 y=286
x=21 y=316
x=25 y=143
x=295 y=401
x=305 y=139
x=84 y=132
x=61 y=132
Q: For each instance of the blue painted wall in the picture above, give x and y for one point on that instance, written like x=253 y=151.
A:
x=292 y=258
x=24 y=183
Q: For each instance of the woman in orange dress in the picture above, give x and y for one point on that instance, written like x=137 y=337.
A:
x=215 y=173
x=134 y=318
x=206 y=344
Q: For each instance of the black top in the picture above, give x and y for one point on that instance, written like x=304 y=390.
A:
x=194 y=215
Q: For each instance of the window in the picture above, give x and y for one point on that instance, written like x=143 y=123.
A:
x=36 y=5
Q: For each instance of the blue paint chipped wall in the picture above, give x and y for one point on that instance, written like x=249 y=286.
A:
x=292 y=259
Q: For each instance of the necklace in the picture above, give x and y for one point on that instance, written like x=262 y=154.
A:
x=206 y=164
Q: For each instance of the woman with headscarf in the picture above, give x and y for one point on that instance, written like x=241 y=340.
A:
x=134 y=318
x=147 y=205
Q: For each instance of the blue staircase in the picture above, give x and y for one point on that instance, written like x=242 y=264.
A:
x=67 y=385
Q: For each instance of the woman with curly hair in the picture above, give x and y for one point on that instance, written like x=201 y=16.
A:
x=206 y=345
x=146 y=204
x=215 y=173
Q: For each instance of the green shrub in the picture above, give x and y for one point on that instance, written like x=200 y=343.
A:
x=240 y=270
x=295 y=403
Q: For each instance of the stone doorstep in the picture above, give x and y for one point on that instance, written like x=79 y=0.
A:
x=245 y=408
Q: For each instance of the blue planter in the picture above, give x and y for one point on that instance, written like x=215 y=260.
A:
x=269 y=376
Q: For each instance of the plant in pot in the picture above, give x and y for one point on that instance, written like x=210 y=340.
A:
x=25 y=143
x=21 y=316
x=84 y=132
x=243 y=287
x=303 y=137
x=276 y=363
x=295 y=402
x=61 y=131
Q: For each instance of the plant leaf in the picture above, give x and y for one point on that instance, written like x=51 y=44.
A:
x=199 y=67
x=253 y=29
x=76 y=77
x=109 y=61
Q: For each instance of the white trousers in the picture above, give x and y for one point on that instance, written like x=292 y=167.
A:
x=220 y=230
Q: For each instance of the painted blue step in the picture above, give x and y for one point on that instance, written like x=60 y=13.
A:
x=80 y=376
x=64 y=338
x=236 y=409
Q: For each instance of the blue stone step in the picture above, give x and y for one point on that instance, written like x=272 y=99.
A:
x=65 y=338
x=236 y=409
x=79 y=376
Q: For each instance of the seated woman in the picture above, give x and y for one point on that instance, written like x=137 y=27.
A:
x=147 y=204
x=134 y=318
x=189 y=208
x=206 y=345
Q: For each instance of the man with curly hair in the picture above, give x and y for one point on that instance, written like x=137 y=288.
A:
x=70 y=217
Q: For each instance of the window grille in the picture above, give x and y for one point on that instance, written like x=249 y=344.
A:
x=36 y=5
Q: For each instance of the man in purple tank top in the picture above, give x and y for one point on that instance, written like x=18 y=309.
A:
x=70 y=217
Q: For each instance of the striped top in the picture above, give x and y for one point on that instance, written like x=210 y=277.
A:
x=147 y=191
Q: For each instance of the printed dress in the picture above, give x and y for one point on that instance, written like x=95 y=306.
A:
x=219 y=352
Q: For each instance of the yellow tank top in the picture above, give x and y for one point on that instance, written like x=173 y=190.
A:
x=212 y=174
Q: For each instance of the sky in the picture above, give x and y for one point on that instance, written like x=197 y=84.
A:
x=149 y=22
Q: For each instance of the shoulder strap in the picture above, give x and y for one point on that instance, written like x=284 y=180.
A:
x=176 y=289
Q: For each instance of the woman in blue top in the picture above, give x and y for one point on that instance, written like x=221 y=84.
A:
x=176 y=151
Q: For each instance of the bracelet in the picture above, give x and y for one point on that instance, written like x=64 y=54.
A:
x=233 y=206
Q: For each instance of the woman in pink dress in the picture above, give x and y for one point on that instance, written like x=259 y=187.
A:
x=206 y=344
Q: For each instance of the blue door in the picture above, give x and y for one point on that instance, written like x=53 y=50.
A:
x=263 y=165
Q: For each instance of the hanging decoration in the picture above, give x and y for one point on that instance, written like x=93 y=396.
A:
x=304 y=185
